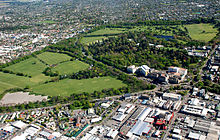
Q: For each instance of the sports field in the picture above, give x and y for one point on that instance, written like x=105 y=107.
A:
x=32 y=67
x=8 y=81
x=53 y=58
x=70 y=67
x=67 y=87
x=201 y=32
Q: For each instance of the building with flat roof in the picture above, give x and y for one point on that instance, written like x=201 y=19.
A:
x=171 y=96
x=19 y=124
x=194 y=136
x=119 y=117
x=144 y=70
x=140 y=128
x=178 y=137
x=144 y=113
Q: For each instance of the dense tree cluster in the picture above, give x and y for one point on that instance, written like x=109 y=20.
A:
x=209 y=86
x=133 y=48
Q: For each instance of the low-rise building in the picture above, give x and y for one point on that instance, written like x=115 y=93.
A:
x=171 y=96
x=144 y=70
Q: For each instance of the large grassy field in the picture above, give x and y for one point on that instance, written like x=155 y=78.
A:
x=101 y=34
x=53 y=58
x=70 y=67
x=8 y=81
x=69 y=86
x=201 y=32
x=49 y=21
x=32 y=67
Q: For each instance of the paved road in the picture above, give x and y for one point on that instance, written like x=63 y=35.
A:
x=186 y=98
x=204 y=65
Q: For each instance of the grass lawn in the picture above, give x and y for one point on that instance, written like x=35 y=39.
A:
x=31 y=66
x=11 y=81
x=48 y=21
x=67 y=87
x=201 y=32
x=99 y=35
x=70 y=67
x=108 y=31
x=89 y=40
x=53 y=58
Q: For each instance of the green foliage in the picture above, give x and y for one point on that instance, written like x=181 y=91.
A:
x=123 y=51
x=53 y=58
x=201 y=32
x=67 y=87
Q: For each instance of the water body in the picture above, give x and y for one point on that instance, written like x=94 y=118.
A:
x=164 y=37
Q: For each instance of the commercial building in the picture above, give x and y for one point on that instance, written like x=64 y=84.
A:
x=178 y=137
x=196 y=110
x=144 y=70
x=112 y=133
x=194 y=136
x=119 y=116
x=140 y=128
x=19 y=124
x=144 y=114
x=171 y=96
x=96 y=119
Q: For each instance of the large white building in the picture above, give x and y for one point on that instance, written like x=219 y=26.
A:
x=144 y=114
x=171 y=96
x=144 y=69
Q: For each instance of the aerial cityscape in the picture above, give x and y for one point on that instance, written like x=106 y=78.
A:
x=109 y=69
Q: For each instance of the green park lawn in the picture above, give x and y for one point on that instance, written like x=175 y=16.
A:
x=201 y=32
x=32 y=67
x=89 y=40
x=67 y=87
x=101 y=34
x=108 y=31
x=53 y=58
x=48 y=21
x=8 y=81
x=70 y=67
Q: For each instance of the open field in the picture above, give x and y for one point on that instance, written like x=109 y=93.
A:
x=32 y=67
x=70 y=67
x=11 y=81
x=67 y=87
x=108 y=31
x=101 y=34
x=201 y=32
x=89 y=40
x=53 y=58
x=48 y=21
